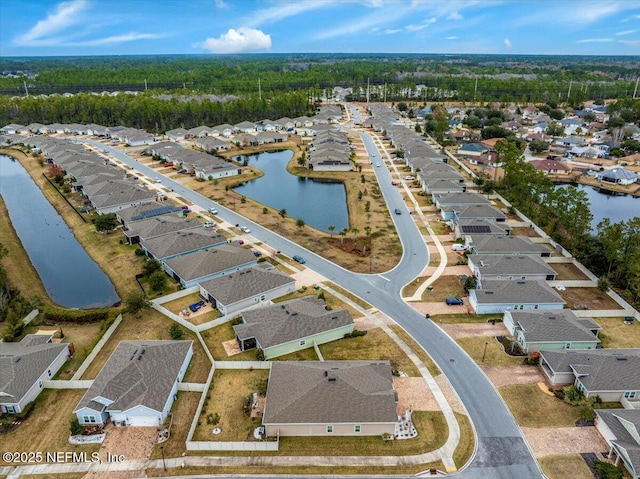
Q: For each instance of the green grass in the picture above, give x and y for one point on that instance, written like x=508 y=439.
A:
x=494 y=356
x=214 y=338
x=616 y=334
x=417 y=349
x=533 y=408
x=465 y=447
x=565 y=465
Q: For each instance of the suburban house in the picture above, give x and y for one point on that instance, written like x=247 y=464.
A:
x=612 y=374
x=23 y=367
x=330 y=398
x=549 y=330
x=463 y=228
x=491 y=244
x=291 y=326
x=474 y=212
x=459 y=200
x=132 y=214
x=180 y=243
x=237 y=291
x=208 y=263
x=500 y=296
x=158 y=226
x=620 y=176
x=178 y=134
x=441 y=186
x=510 y=267
x=11 y=129
x=472 y=149
x=621 y=429
x=551 y=167
x=137 y=385
x=121 y=197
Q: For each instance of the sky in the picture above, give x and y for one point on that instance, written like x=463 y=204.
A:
x=143 y=27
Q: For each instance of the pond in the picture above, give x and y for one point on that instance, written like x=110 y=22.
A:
x=72 y=279
x=616 y=208
x=319 y=203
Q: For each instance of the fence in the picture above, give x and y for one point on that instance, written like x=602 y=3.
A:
x=30 y=317
x=191 y=387
x=177 y=295
x=87 y=362
x=174 y=317
x=243 y=365
x=232 y=446
x=602 y=313
x=70 y=384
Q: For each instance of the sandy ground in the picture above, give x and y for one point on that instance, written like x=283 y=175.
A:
x=231 y=347
x=470 y=330
x=364 y=323
x=564 y=440
x=440 y=307
x=449 y=394
x=307 y=278
x=414 y=394
x=506 y=375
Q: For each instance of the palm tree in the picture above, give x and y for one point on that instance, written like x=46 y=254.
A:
x=342 y=234
x=299 y=222
x=367 y=231
x=282 y=213
x=331 y=229
x=355 y=232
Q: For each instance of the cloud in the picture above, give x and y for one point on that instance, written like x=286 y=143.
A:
x=421 y=26
x=65 y=15
x=631 y=43
x=125 y=37
x=391 y=31
x=374 y=29
x=507 y=43
x=626 y=32
x=454 y=16
x=452 y=38
x=221 y=4
x=282 y=10
x=595 y=40
x=242 y=40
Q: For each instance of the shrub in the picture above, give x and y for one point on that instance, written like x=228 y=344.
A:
x=74 y=316
x=572 y=395
x=607 y=470
x=175 y=332
x=157 y=281
x=139 y=252
x=75 y=427
x=587 y=413
x=135 y=302
x=355 y=334
x=236 y=321
x=321 y=295
x=260 y=354
x=213 y=419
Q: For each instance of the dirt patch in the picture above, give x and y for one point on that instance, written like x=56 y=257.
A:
x=414 y=394
x=441 y=308
x=231 y=347
x=506 y=375
x=588 y=298
x=365 y=323
x=564 y=440
x=568 y=271
x=472 y=330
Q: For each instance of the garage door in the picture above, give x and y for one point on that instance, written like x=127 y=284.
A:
x=142 y=421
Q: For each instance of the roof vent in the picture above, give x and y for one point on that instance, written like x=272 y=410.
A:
x=332 y=380
x=294 y=314
x=521 y=282
x=326 y=373
x=334 y=317
x=282 y=306
x=621 y=358
x=488 y=292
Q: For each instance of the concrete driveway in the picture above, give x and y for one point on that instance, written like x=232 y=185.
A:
x=564 y=440
x=472 y=330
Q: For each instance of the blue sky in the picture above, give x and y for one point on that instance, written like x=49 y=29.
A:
x=117 y=27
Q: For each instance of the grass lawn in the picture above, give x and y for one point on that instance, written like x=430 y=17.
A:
x=592 y=297
x=533 y=408
x=463 y=318
x=465 y=447
x=226 y=398
x=183 y=410
x=444 y=287
x=568 y=271
x=439 y=228
x=47 y=428
x=565 y=465
x=308 y=354
x=616 y=334
x=151 y=325
x=376 y=344
x=410 y=288
x=495 y=355
x=360 y=302
x=524 y=231
x=417 y=349
x=214 y=338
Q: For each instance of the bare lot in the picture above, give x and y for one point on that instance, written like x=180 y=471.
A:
x=565 y=465
x=593 y=298
x=616 y=334
x=568 y=271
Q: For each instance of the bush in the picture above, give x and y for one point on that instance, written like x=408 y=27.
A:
x=74 y=316
x=75 y=427
x=587 y=413
x=236 y=321
x=607 y=470
x=175 y=332
x=135 y=302
x=213 y=419
x=139 y=252
x=151 y=267
x=260 y=354
x=157 y=281
x=572 y=395
x=321 y=295
x=355 y=334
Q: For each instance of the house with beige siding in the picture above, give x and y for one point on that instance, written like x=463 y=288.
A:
x=330 y=398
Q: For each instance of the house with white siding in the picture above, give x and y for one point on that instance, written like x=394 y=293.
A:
x=501 y=296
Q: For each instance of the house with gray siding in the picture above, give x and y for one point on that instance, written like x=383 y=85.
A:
x=611 y=374
x=180 y=243
x=291 y=326
x=137 y=385
x=621 y=429
x=330 y=398
x=510 y=267
x=23 y=367
x=158 y=226
x=209 y=263
x=133 y=214
x=237 y=291
x=550 y=330
x=500 y=296
x=492 y=244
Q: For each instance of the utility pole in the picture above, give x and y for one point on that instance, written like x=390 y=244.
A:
x=259 y=89
x=636 y=88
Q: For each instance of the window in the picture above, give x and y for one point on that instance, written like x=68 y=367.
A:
x=303 y=342
x=629 y=394
x=10 y=409
x=510 y=278
x=263 y=297
x=357 y=428
x=535 y=306
x=567 y=345
x=523 y=278
x=40 y=384
x=90 y=419
x=329 y=429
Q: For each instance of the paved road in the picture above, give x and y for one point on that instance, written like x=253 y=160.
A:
x=502 y=451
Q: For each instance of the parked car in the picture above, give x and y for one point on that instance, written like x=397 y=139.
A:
x=245 y=229
x=157 y=180
x=299 y=259
x=377 y=164
x=184 y=207
x=168 y=165
x=458 y=247
x=196 y=306
x=453 y=301
x=183 y=170
x=397 y=211
x=257 y=254
x=213 y=211
x=410 y=178
x=393 y=183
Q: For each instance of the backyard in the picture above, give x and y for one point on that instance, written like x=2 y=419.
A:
x=588 y=298
x=214 y=338
x=617 y=334
x=533 y=408
x=182 y=413
x=568 y=272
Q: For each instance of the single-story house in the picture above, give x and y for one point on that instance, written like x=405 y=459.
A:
x=11 y=129
x=620 y=176
x=23 y=367
x=132 y=214
x=463 y=228
x=441 y=186
x=612 y=374
x=158 y=226
x=510 y=267
x=291 y=326
x=492 y=244
x=237 y=291
x=548 y=330
x=330 y=398
x=176 y=134
x=474 y=212
x=550 y=166
x=472 y=149
x=182 y=243
x=621 y=429
x=208 y=263
x=123 y=197
x=459 y=199
x=137 y=385
x=500 y=296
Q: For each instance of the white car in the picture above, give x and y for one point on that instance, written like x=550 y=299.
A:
x=245 y=229
x=377 y=164
x=157 y=180
x=213 y=211
x=458 y=247
x=410 y=178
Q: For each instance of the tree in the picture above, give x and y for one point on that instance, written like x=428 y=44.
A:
x=13 y=325
x=175 y=331
x=342 y=234
x=556 y=114
x=300 y=223
x=157 y=281
x=75 y=428
x=355 y=232
x=616 y=128
x=472 y=121
x=302 y=161
x=105 y=223
x=417 y=128
x=331 y=229
x=282 y=213
x=555 y=129
x=135 y=302
x=151 y=266
x=538 y=146
x=265 y=210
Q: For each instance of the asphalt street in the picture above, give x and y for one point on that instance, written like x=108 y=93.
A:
x=502 y=452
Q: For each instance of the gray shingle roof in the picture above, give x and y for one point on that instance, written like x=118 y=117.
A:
x=330 y=392
x=180 y=242
x=290 y=320
x=625 y=426
x=146 y=210
x=21 y=364
x=460 y=199
x=490 y=244
x=131 y=377
x=235 y=287
x=161 y=225
x=551 y=326
x=476 y=211
x=516 y=292
x=205 y=262
x=508 y=264
x=469 y=227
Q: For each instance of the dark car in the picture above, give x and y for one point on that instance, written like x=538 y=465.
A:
x=397 y=211
x=299 y=259
x=453 y=301
x=196 y=306
x=257 y=254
